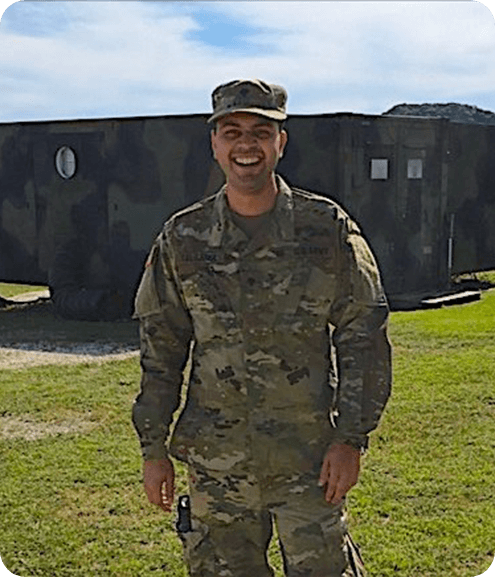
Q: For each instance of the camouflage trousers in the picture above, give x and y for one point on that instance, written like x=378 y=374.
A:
x=232 y=517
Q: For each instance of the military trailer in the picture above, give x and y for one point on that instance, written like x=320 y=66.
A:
x=81 y=201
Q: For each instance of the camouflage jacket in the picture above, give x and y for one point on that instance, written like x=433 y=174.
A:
x=261 y=319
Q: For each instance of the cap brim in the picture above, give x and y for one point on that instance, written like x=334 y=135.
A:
x=267 y=113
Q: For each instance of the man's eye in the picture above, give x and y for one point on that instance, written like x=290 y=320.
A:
x=231 y=134
x=263 y=134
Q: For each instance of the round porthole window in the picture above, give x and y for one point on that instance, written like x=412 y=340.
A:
x=65 y=162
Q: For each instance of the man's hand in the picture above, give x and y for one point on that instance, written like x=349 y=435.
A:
x=159 y=483
x=339 y=472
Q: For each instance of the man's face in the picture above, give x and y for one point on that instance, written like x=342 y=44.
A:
x=247 y=148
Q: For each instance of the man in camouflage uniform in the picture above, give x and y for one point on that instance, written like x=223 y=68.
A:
x=274 y=294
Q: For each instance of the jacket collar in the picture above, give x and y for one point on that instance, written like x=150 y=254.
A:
x=224 y=231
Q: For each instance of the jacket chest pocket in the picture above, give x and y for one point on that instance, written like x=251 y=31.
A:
x=210 y=290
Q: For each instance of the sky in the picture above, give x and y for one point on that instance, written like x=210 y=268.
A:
x=82 y=59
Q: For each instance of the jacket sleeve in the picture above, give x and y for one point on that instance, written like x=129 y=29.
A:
x=359 y=317
x=165 y=334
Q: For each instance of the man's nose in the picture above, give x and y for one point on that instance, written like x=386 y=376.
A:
x=247 y=137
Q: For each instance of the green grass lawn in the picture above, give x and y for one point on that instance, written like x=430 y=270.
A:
x=72 y=504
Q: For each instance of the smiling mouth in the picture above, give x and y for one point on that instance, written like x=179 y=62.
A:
x=247 y=161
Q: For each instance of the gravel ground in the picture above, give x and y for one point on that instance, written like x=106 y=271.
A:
x=16 y=358
x=32 y=335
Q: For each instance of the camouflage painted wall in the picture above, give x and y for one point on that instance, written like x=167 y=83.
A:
x=471 y=199
x=367 y=164
x=402 y=178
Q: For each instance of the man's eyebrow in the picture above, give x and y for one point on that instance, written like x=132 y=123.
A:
x=267 y=123
x=229 y=123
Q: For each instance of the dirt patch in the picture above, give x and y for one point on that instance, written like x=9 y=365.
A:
x=25 y=427
x=31 y=334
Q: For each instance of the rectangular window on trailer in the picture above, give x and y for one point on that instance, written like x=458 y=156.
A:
x=379 y=169
x=415 y=168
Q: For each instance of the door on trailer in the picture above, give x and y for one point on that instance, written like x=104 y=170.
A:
x=18 y=231
x=421 y=198
x=72 y=217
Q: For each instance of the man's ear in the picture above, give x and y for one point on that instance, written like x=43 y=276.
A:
x=284 y=137
x=213 y=135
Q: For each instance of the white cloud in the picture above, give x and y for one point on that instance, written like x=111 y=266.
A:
x=355 y=41
x=332 y=56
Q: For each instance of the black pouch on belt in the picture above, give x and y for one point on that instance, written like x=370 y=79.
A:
x=183 y=523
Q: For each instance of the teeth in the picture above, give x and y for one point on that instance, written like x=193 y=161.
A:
x=246 y=161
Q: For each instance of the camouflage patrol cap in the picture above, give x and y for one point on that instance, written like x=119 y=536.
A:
x=254 y=96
